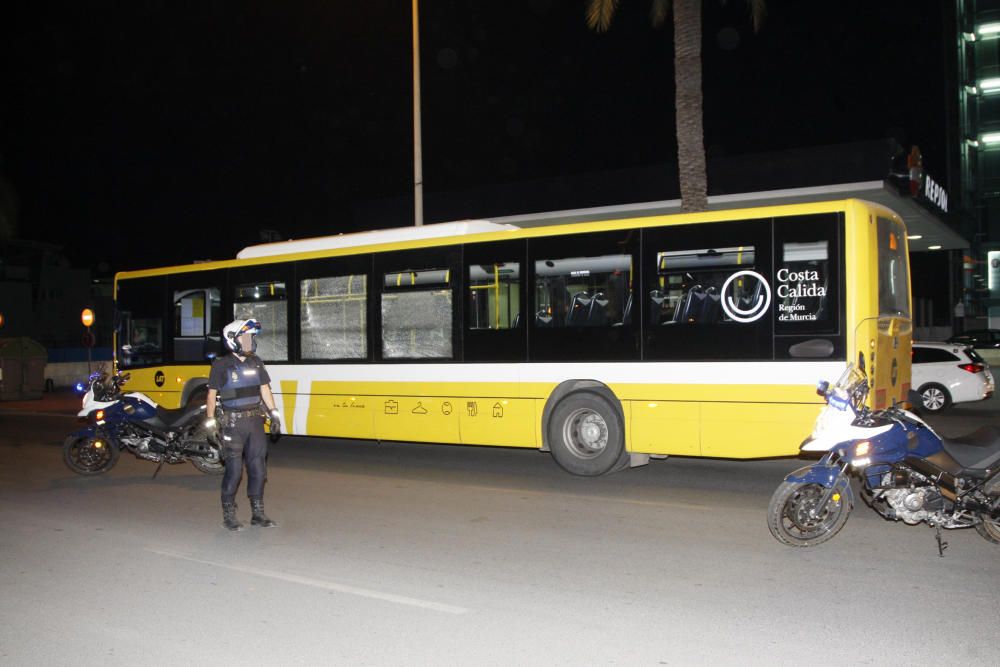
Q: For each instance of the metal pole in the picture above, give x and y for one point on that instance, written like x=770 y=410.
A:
x=88 y=351
x=418 y=169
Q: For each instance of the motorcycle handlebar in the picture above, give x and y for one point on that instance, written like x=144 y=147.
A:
x=107 y=387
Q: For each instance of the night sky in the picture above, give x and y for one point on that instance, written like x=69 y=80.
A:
x=188 y=126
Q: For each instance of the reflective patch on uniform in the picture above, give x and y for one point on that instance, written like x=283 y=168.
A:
x=249 y=371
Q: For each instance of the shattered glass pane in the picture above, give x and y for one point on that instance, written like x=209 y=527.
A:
x=268 y=306
x=333 y=317
x=417 y=325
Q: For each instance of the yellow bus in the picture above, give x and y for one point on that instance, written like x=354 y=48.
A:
x=603 y=343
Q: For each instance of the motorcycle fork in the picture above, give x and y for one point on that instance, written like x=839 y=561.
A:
x=828 y=496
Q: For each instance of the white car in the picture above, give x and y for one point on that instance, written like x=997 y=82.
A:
x=946 y=373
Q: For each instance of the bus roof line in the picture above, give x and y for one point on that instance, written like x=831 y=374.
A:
x=673 y=206
x=374 y=237
x=483 y=230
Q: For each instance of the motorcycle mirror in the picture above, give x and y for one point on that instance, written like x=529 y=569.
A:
x=822 y=387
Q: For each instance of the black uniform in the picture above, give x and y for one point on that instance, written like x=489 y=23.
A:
x=238 y=384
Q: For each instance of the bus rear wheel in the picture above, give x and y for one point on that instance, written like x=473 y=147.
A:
x=585 y=435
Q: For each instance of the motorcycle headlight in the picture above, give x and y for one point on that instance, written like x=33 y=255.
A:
x=860 y=458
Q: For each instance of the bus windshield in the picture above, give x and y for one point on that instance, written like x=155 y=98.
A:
x=893 y=274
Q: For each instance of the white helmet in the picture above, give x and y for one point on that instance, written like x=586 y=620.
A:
x=232 y=332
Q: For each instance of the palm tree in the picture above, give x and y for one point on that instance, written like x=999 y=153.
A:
x=687 y=79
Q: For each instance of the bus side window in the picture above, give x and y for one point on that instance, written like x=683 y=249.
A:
x=140 y=306
x=333 y=314
x=693 y=283
x=584 y=291
x=417 y=313
x=197 y=315
x=267 y=303
x=807 y=276
x=494 y=297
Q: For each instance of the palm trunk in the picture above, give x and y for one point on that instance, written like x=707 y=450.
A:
x=690 y=132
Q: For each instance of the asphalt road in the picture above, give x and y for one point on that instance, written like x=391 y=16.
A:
x=419 y=555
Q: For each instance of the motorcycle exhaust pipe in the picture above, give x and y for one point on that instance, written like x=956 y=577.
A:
x=946 y=482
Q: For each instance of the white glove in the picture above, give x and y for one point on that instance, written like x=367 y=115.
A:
x=212 y=430
x=275 y=424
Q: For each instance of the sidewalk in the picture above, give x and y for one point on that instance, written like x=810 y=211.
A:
x=59 y=402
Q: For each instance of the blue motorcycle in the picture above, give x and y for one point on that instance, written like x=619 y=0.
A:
x=132 y=421
x=906 y=471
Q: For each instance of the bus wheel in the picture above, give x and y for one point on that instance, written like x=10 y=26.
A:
x=585 y=435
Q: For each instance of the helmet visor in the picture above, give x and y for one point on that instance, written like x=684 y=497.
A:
x=250 y=326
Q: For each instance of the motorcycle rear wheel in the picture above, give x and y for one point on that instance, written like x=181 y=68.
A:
x=93 y=455
x=989 y=529
x=209 y=467
x=788 y=516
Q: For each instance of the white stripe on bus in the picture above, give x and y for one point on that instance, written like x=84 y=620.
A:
x=653 y=373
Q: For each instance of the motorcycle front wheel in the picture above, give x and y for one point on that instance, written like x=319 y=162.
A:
x=90 y=455
x=795 y=518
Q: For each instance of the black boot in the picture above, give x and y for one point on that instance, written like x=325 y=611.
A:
x=259 y=518
x=229 y=517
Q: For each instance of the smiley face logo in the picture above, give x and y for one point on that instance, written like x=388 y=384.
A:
x=756 y=309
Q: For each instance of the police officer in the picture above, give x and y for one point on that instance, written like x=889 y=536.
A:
x=241 y=381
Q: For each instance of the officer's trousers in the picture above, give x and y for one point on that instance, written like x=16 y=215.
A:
x=244 y=442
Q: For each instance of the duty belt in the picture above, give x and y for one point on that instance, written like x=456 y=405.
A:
x=233 y=415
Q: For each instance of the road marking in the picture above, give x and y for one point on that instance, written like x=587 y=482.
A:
x=579 y=496
x=319 y=583
x=14 y=412
x=674 y=504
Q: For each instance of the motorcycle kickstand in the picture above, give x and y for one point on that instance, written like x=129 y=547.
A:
x=157 y=472
x=941 y=544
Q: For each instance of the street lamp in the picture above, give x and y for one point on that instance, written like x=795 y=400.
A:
x=418 y=169
x=87 y=317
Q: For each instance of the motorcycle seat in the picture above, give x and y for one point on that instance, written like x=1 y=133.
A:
x=166 y=419
x=976 y=450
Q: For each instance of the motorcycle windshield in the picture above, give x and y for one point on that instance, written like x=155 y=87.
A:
x=850 y=389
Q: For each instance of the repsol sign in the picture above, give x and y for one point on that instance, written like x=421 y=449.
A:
x=935 y=194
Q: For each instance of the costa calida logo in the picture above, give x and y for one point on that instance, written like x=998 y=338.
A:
x=743 y=312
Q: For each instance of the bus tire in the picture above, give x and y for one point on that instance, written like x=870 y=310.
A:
x=585 y=435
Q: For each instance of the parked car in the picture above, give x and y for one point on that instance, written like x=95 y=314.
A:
x=981 y=339
x=985 y=341
x=948 y=373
